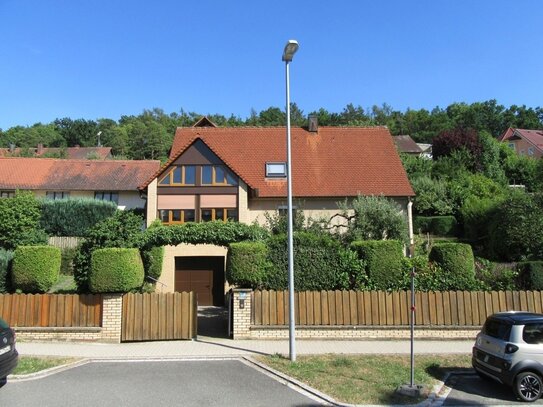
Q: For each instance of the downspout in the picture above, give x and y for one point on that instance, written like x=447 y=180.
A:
x=410 y=225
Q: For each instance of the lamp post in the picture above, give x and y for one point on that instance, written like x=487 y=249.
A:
x=290 y=49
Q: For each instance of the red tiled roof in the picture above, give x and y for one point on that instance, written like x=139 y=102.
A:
x=534 y=137
x=333 y=162
x=75 y=153
x=74 y=175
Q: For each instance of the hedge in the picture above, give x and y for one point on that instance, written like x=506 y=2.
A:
x=384 y=261
x=5 y=260
x=531 y=275
x=247 y=264
x=457 y=262
x=115 y=270
x=152 y=262
x=73 y=217
x=35 y=268
x=436 y=225
x=320 y=263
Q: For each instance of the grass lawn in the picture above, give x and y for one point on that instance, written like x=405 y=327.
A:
x=367 y=379
x=33 y=364
x=64 y=285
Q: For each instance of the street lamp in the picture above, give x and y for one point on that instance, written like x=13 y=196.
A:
x=290 y=49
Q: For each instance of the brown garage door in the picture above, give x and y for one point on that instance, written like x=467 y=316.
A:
x=199 y=281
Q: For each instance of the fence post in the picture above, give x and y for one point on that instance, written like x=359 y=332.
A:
x=112 y=315
x=242 y=310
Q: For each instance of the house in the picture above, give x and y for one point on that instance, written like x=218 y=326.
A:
x=52 y=178
x=72 y=153
x=405 y=144
x=524 y=142
x=239 y=173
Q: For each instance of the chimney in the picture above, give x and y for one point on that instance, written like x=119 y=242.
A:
x=11 y=147
x=313 y=124
x=40 y=149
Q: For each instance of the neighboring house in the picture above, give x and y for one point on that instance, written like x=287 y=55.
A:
x=73 y=153
x=524 y=142
x=405 y=144
x=239 y=173
x=52 y=178
x=426 y=150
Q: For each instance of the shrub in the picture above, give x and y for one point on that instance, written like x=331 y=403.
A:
x=115 y=270
x=247 y=264
x=436 y=225
x=476 y=214
x=320 y=263
x=383 y=259
x=74 y=217
x=531 y=275
x=5 y=262
x=457 y=262
x=431 y=196
x=496 y=276
x=19 y=217
x=35 y=268
x=152 y=262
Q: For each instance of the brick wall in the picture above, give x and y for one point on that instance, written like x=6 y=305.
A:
x=242 y=309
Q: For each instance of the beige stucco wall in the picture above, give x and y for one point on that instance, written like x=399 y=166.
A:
x=166 y=282
x=522 y=146
x=152 y=201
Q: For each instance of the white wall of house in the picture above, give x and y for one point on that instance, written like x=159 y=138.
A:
x=127 y=199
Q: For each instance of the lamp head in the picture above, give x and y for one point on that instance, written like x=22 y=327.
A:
x=290 y=49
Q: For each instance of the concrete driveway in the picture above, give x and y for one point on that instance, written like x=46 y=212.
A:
x=155 y=383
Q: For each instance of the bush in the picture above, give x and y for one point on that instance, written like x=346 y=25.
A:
x=5 y=262
x=383 y=259
x=20 y=217
x=496 y=276
x=115 y=270
x=457 y=262
x=431 y=196
x=247 y=264
x=152 y=262
x=531 y=275
x=74 y=217
x=476 y=214
x=35 y=268
x=320 y=263
x=436 y=225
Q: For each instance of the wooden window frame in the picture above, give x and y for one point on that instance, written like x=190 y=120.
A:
x=183 y=182
x=170 y=213
x=214 y=214
x=214 y=176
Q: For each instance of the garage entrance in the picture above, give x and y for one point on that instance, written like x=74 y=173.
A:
x=204 y=276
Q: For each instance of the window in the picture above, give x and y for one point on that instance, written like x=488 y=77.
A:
x=276 y=170
x=217 y=175
x=530 y=151
x=511 y=145
x=497 y=329
x=230 y=214
x=7 y=194
x=107 y=196
x=54 y=195
x=179 y=176
x=173 y=216
x=521 y=152
x=533 y=333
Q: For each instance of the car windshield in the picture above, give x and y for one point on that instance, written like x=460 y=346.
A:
x=497 y=329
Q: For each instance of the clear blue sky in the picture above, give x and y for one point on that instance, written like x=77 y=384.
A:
x=106 y=58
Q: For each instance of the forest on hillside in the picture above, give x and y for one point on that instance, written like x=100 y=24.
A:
x=149 y=135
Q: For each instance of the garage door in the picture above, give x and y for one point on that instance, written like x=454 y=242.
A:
x=199 y=281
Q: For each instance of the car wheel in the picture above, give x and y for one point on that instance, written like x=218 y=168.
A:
x=528 y=386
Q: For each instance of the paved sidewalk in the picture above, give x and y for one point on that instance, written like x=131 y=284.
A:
x=213 y=347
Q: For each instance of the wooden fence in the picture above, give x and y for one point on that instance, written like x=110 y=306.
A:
x=51 y=310
x=379 y=308
x=148 y=317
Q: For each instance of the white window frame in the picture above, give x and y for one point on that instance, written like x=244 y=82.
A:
x=276 y=169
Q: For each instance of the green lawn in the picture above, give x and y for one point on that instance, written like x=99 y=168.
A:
x=33 y=364
x=367 y=379
x=64 y=285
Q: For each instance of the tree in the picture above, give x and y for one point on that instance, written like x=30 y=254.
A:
x=457 y=139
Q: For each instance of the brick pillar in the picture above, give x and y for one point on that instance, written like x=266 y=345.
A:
x=112 y=315
x=242 y=316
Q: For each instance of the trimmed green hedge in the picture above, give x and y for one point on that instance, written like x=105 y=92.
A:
x=73 y=217
x=35 y=268
x=457 y=262
x=115 y=270
x=152 y=261
x=531 y=275
x=320 y=263
x=436 y=225
x=384 y=261
x=5 y=261
x=247 y=264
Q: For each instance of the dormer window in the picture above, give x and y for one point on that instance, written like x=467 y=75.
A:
x=276 y=170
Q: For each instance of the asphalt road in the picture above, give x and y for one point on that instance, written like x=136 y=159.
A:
x=471 y=390
x=159 y=383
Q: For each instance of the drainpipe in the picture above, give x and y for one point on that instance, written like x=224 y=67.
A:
x=410 y=224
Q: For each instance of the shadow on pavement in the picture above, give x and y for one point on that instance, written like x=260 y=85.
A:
x=213 y=322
